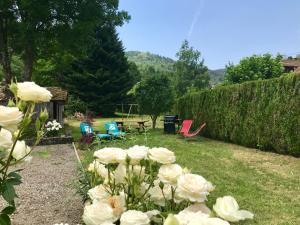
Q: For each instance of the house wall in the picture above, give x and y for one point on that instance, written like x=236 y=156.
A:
x=55 y=110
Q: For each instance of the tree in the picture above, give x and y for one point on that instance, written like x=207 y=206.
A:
x=256 y=67
x=41 y=29
x=190 y=71
x=103 y=79
x=154 y=96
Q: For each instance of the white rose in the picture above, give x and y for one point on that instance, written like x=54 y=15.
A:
x=98 y=193
x=158 y=196
x=172 y=220
x=228 y=209
x=193 y=212
x=5 y=139
x=110 y=155
x=31 y=92
x=207 y=221
x=169 y=173
x=198 y=207
x=133 y=217
x=98 y=213
x=10 y=117
x=162 y=155
x=120 y=174
x=99 y=168
x=137 y=153
x=193 y=187
x=20 y=150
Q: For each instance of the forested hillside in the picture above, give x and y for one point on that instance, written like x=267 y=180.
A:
x=165 y=64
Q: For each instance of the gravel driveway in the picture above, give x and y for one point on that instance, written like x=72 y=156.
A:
x=45 y=195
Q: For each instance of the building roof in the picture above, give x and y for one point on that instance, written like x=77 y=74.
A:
x=58 y=94
x=291 y=62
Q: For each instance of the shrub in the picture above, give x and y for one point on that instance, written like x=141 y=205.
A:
x=262 y=114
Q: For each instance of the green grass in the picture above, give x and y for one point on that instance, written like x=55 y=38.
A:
x=265 y=183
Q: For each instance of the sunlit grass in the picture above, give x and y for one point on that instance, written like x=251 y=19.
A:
x=265 y=183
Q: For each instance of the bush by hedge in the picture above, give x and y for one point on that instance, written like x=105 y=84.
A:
x=261 y=114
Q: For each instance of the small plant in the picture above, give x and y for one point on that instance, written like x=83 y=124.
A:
x=53 y=128
x=15 y=121
x=145 y=186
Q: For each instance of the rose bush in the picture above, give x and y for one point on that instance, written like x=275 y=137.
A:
x=16 y=119
x=141 y=186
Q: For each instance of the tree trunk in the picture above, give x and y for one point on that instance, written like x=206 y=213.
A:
x=28 y=62
x=153 y=118
x=5 y=58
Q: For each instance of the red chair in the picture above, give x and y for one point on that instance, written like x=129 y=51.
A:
x=195 y=133
x=185 y=127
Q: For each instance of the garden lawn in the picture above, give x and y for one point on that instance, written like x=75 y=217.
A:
x=265 y=183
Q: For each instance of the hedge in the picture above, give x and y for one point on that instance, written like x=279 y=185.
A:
x=260 y=114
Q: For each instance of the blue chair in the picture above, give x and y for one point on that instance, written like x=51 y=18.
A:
x=88 y=130
x=113 y=129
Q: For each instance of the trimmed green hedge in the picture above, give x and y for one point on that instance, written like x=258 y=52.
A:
x=260 y=114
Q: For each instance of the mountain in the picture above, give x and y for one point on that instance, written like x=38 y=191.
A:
x=161 y=63
x=146 y=59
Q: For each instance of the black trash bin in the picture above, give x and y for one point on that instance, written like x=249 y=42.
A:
x=170 y=122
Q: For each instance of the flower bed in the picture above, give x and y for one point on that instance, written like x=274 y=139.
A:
x=52 y=140
x=140 y=186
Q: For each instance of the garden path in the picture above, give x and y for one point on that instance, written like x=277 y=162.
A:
x=46 y=195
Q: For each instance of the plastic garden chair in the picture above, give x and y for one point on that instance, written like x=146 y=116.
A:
x=195 y=133
x=113 y=129
x=88 y=132
x=185 y=127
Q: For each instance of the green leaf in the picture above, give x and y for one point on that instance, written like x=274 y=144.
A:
x=4 y=219
x=9 y=193
x=8 y=210
x=15 y=174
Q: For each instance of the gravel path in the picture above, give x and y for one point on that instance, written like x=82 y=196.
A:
x=45 y=195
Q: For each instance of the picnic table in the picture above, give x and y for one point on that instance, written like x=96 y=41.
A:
x=140 y=125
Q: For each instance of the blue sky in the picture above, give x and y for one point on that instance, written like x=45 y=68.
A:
x=223 y=30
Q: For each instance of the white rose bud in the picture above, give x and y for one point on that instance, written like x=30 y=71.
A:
x=31 y=92
x=5 y=139
x=228 y=209
x=20 y=150
x=133 y=217
x=162 y=155
x=10 y=117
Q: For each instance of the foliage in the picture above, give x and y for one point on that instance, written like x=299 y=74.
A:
x=263 y=114
x=51 y=28
x=256 y=67
x=190 y=71
x=154 y=96
x=103 y=79
x=161 y=64
x=75 y=105
x=13 y=149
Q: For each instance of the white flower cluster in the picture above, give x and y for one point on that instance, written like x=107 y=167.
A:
x=53 y=126
x=130 y=184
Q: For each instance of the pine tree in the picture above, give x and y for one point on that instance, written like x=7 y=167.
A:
x=103 y=79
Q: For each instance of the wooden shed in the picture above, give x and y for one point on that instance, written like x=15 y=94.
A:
x=55 y=107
